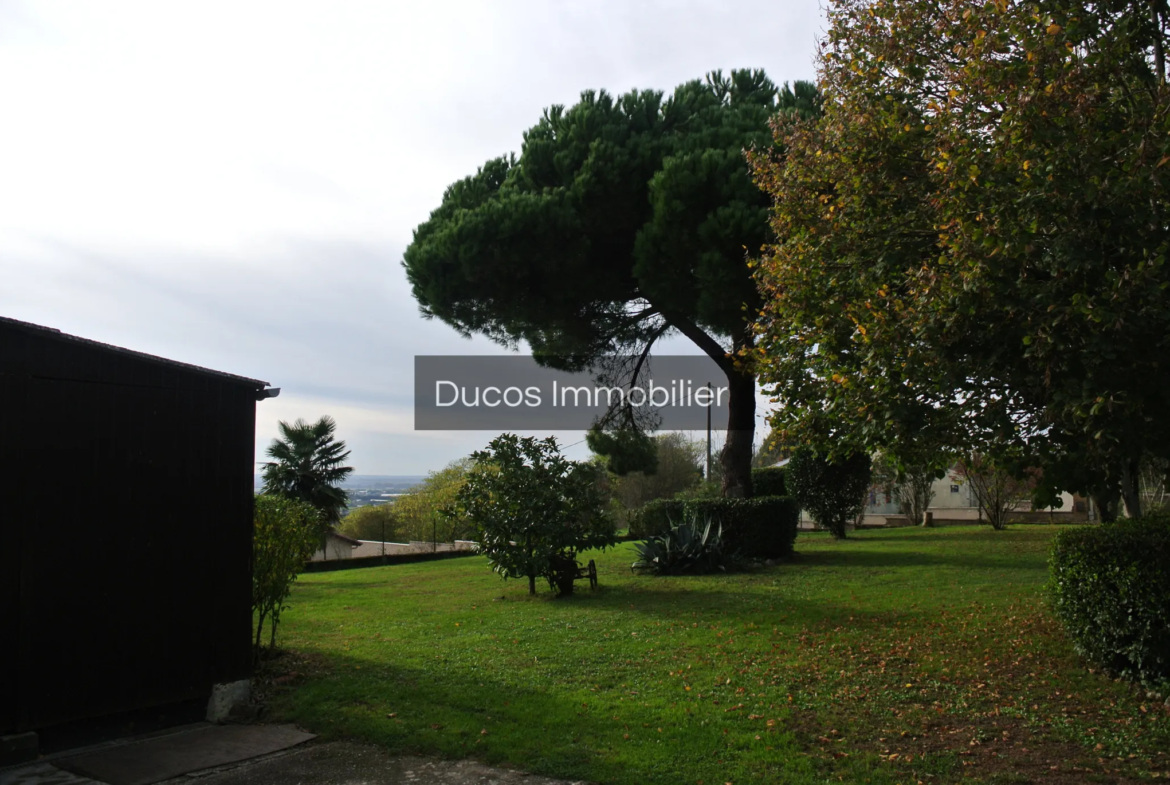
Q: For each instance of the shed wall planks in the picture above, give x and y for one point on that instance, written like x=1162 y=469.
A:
x=125 y=532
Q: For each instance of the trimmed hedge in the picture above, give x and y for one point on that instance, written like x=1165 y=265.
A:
x=769 y=482
x=763 y=527
x=655 y=517
x=1110 y=586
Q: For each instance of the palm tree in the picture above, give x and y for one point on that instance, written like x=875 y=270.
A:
x=307 y=465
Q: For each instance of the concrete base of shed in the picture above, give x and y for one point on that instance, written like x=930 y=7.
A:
x=19 y=747
x=229 y=702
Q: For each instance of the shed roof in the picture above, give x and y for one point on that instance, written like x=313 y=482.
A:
x=53 y=333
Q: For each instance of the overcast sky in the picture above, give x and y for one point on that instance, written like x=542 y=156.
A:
x=233 y=184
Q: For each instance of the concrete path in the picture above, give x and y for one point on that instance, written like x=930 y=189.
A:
x=344 y=763
x=166 y=757
x=42 y=774
x=253 y=755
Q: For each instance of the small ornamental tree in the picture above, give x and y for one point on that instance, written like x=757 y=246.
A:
x=533 y=510
x=915 y=493
x=911 y=482
x=832 y=492
x=997 y=488
x=1152 y=483
x=285 y=536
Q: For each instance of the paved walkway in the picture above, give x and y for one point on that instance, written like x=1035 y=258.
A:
x=252 y=755
x=344 y=763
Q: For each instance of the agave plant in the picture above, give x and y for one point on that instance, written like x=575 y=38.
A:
x=694 y=546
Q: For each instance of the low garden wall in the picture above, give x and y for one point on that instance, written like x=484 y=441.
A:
x=380 y=561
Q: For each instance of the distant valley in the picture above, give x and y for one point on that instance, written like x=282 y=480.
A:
x=366 y=489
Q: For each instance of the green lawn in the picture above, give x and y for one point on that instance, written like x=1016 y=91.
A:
x=895 y=656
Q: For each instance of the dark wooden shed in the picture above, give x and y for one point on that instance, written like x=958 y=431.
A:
x=125 y=528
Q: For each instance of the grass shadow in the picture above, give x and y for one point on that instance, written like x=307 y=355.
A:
x=897 y=559
x=502 y=719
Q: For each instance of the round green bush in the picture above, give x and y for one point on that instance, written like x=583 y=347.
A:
x=831 y=492
x=1110 y=587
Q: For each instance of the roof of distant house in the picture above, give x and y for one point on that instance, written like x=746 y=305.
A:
x=52 y=332
x=340 y=536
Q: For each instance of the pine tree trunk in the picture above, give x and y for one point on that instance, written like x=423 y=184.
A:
x=736 y=458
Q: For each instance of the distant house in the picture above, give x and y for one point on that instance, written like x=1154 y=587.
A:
x=126 y=532
x=955 y=500
x=337 y=546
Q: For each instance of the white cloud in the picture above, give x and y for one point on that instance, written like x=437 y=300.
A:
x=233 y=183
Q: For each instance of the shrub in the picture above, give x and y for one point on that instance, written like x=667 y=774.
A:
x=1110 y=587
x=286 y=532
x=372 y=522
x=997 y=489
x=533 y=509
x=833 y=492
x=655 y=517
x=763 y=527
x=769 y=482
x=694 y=547
x=1152 y=485
x=910 y=480
x=706 y=489
x=423 y=512
x=677 y=471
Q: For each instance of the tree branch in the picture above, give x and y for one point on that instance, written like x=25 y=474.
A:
x=646 y=352
x=645 y=313
x=709 y=345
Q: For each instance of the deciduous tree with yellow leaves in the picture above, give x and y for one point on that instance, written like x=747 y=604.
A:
x=973 y=236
